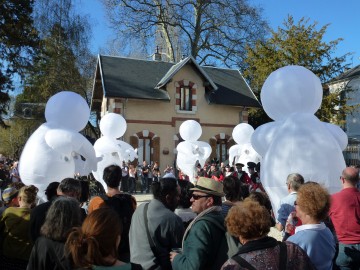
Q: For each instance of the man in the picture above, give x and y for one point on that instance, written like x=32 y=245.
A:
x=69 y=187
x=124 y=177
x=204 y=243
x=293 y=183
x=124 y=204
x=10 y=199
x=145 y=169
x=345 y=216
x=242 y=175
x=151 y=244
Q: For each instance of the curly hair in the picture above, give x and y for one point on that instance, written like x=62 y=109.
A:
x=314 y=200
x=95 y=240
x=248 y=219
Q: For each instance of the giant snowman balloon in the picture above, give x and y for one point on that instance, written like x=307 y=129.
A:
x=108 y=148
x=243 y=152
x=48 y=153
x=297 y=141
x=191 y=150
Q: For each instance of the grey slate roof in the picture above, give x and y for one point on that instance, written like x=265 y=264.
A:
x=353 y=72
x=142 y=79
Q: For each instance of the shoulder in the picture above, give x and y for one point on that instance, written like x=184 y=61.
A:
x=95 y=203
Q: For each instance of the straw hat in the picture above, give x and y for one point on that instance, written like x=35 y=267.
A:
x=209 y=186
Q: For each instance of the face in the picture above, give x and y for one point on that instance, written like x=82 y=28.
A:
x=299 y=213
x=239 y=168
x=200 y=201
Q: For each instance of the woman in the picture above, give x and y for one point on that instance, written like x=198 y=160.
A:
x=94 y=245
x=132 y=179
x=250 y=222
x=48 y=251
x=312 y=206
x=232 y=194
x=14 y=227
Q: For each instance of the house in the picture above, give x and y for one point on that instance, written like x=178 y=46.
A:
x=350 y=80
x=156 y=97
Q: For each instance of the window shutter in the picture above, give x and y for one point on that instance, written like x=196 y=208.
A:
x=155 y=156
x=212 y=143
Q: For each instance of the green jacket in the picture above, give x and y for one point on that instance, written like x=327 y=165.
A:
x=205 y=246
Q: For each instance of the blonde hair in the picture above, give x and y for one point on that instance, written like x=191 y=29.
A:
x=28 y=194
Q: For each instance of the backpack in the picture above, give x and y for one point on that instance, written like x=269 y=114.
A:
x=123 y=205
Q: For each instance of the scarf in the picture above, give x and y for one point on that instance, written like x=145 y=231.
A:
x=203 y=213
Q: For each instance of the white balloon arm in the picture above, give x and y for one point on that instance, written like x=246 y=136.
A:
x=61 y=140
x=234 y=152
x=106 y=145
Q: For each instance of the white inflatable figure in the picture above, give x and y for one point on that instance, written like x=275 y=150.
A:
x=297 y=141
x=191 y=150
x=48 y=153
x=243 y=152
x=108 y=148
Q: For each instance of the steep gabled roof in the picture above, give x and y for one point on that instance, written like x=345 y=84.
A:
x=120 y=77
x=175 y=68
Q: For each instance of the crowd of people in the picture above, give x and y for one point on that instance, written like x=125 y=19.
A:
x=221 y=221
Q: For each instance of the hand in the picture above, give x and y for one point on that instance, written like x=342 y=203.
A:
x=172 y=255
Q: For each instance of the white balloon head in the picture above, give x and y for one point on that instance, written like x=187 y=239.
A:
x=242 y=133
x=190 y=130
x=291 y=89
x=67 y=110
x=113 y=125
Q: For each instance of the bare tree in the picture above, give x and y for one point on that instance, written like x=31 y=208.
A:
x=212 y=31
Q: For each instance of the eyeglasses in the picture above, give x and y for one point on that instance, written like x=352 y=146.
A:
x=196 y=197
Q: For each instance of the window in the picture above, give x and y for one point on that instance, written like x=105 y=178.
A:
x=221 y=150
x=185 y=98
x=144 y=150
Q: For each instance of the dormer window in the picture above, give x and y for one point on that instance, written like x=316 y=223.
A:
x=185 y=98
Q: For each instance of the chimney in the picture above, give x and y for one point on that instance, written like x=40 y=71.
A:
x=157 y=55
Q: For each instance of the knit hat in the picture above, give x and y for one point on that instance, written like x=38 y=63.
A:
x=9 y=194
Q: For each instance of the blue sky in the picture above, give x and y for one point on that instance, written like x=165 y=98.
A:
x=343 y=17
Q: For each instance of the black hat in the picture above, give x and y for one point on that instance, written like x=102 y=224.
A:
x=239 y=164
x=227 y=166
x=251 y=165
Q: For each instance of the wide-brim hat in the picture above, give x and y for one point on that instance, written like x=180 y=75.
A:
x=239 y=164
x=209 y=186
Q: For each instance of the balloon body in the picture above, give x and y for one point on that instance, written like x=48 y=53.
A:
x=302 y=145
x=234 y=153
x=338 y=134
x=190 y=130
x=67 y=110
x=242 y=133
x=291 y=89
x=263 y=136
x=40 y=164
x=247 y=154
x=113 y=125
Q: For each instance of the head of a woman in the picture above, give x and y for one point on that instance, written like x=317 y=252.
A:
x=312 y=201
x=27 y=196
x=63 y=214
x=248 y=220
x=96 y=242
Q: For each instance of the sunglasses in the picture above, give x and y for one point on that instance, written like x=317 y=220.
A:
x=196 y=197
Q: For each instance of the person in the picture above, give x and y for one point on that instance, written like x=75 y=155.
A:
x=124 y=204
x=10 y=199
x=156 y=171
x=145 y=169
x=232 y=194
x=293 y=183
x=263 y=199
x=183 y=210
x=345 y=216
x=124 y=177
x=14 y=173
x=242 y=175
x=48 y=251
x=312 y=207
x=204 y=242
x=155 y=228
x=250 y=222
x=94 y=244
x=14 y=228
x=68 y=187
x=132 y=179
